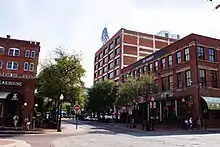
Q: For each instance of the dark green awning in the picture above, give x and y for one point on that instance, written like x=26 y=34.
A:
x=213 y=103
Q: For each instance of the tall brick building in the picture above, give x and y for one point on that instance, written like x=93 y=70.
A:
x=187 y=74
x=18 y=69
x=124 y=48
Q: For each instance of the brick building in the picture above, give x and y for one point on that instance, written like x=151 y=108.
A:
x=187 y=74
x=124 y=48
x=18 y=69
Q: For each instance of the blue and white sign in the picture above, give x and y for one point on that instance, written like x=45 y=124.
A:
x=105 y=36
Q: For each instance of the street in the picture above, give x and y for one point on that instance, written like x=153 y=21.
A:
x=109 y=135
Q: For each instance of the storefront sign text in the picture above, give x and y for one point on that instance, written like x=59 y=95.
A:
x=10 y=83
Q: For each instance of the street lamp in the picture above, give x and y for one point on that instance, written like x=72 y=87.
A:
x=59 y=111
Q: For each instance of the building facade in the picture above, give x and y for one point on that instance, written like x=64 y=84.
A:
x=123 y=49
x=187 y=74
x=18 y=69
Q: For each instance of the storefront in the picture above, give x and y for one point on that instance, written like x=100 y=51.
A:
x=16 y=98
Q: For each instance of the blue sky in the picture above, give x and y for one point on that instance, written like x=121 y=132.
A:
x=77 y=24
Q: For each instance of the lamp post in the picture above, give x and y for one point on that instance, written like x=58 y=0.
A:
x=34 y=118
x=59 y=111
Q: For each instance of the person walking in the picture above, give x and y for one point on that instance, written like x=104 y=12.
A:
x=198 y=123
x=15 y=121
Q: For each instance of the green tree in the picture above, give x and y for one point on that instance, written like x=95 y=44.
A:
x=61 y=75
x=102 y=96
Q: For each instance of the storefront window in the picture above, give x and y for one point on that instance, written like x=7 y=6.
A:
x=1 y=109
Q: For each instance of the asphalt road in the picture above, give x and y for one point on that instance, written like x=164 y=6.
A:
x=109 y=135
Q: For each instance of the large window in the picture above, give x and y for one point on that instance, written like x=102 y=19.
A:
x=13 y=65
x=117 y=41
x=111 y=75
x=117 y=61
x=202 y=76
x=163 y=84
x=111 y=65
x=117 y=50
x=151 y=67
x=170 y=62
x=105 y=60
x=25 y=66
x=188 y=78
x=2 y=50
x=214 y=78
x=14 y=52
x=106 y=50
x=117 y=72
x=178 y=57
x=144 y=68
x=100 y=55
x=111 y=46
x=1 y=109
x=163 y=63
x=105 y=69
x=156 y=66
x=31 y=67
x=170 y=82
x=212 y=55
x=179 y=80
x=99 y=72
x=186 y=53
x=1 y=64
x=201 y=53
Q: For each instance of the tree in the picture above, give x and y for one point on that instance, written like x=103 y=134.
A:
x=61 y=75
x=102 y=96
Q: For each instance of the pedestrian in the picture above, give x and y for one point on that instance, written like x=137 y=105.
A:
x=186 y=124
x=190 y=123
x=198 y=123
x=15 y=121
x=27 y=122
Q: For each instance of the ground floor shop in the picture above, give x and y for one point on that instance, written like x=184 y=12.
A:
x=16 y=98
x=172 y=108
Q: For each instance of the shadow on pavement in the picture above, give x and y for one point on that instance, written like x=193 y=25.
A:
x=114 y=129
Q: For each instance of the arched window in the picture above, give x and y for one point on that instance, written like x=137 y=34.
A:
x=14 y=52
x=12 y=65
x=31 y=68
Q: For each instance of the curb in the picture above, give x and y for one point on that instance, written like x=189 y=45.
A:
x=17 y=143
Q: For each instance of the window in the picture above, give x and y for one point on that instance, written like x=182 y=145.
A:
x=214 y=78
x=211 y=55
x=96 y=66
x=13 y=52
x=117 y=61
x=144 y=68
x=96 y=58
x=117 y=41
x=99 y=72
x=31 y=67
x=33 y=54
x=188 y=78
x=106 y=50
x=105 y=77
x=186 y=53
x=1 y=64
x=27 y=53
x=140 y=70
x=111 y=65
x=110 y=75
x=13 y=65
x=1 y=109
x=156 y=66
x=117 y=51
x=201 y=53
x=163 y=84
x=100 y=55
x=179 y=80
x=100 y=63
x=111 y=55
x=151 y=67
x=2 y=50
x=163 y=63
x=178 y=57
x=117 y=72
x=105 y=69
x=111 y=46
x=202 y=76
x=105 y=59
x=170 y=62
x=170 y=82
x=95 y=74
x=25 y=66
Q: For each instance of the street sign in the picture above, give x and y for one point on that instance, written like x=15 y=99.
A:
x=76 y=107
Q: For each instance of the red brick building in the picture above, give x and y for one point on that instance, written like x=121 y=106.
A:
x=187 y=74
x=18 y=69
x=124 y=48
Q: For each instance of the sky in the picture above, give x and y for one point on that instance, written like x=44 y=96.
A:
x=77 y=24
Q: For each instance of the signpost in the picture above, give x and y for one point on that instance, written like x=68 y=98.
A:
x=76 y=108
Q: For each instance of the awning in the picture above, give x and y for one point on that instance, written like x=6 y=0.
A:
x=3 y=95
x=213 y=103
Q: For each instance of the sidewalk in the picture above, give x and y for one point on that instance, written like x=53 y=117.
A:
x=13 y=143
